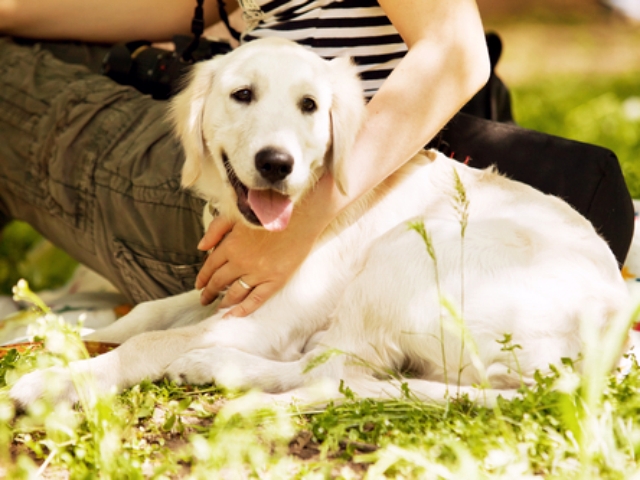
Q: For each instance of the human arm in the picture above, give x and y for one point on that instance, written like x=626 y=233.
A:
x=102 y=21
x=446 y=64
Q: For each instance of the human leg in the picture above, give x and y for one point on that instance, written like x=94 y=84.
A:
x=95 y=168
x=78 y=53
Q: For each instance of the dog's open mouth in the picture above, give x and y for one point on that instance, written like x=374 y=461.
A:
x=267 y=208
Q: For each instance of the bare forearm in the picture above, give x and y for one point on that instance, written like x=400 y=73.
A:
x=445 y=66
x=100 y=20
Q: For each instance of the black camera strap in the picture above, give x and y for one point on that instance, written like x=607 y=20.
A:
x=197 y=27
x=225 y=18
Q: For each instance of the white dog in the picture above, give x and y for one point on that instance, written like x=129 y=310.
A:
x=375 y=303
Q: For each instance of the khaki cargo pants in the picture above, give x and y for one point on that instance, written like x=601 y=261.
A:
x=94 y=167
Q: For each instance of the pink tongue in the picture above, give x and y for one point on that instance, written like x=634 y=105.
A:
x=272 y=208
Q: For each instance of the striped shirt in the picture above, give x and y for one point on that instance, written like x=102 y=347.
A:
x=355 y=28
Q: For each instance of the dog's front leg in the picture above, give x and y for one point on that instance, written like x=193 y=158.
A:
x=145 y=356
x=171 y=312
x=232 y=368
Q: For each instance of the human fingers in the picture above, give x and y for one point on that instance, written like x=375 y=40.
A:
x=254 y=300
x=216 y=231
x=222 y=278
x=237 y=292
x=214 y=261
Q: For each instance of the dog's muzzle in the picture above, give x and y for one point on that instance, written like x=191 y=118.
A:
x=264 y=207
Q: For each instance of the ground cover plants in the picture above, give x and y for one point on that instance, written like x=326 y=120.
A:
x=566 y=426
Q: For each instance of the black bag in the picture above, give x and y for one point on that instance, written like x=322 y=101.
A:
x=587 y=177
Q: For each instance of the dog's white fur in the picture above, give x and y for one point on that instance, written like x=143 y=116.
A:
x=528 y=265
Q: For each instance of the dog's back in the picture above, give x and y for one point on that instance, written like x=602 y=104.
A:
x=495 y=288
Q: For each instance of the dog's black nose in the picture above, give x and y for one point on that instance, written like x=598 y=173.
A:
x=274 y=164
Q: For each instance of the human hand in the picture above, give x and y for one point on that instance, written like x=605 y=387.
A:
x=243 y=256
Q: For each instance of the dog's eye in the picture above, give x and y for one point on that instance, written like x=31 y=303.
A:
x=244 y=95
x=308 y=105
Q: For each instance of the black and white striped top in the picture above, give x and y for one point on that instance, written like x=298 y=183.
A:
x=355 y=28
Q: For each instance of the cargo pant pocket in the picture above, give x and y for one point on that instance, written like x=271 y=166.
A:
x=145 y=277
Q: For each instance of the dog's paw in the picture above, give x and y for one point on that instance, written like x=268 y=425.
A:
x=208 y=365
x=54 y=384
x=183 y=372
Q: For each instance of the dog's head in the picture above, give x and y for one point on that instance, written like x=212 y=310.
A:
x=261 y=124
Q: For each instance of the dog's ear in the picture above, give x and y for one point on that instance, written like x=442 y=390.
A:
x=187 y=109
x=347 y=115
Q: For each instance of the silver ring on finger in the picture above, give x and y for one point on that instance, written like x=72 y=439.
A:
x=244 y=284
